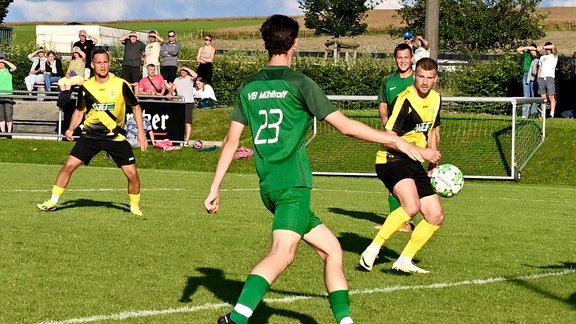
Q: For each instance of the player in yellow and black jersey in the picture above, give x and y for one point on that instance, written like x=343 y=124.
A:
x=102 y=102
x=415 y=117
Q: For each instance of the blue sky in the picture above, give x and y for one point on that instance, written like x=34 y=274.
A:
x=109 y=10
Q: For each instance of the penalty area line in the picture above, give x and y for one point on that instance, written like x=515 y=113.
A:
x=285 y=300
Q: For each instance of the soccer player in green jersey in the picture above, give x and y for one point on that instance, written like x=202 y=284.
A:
x=392 y=85
x=416 y=118
x=102 y=102
x=278 y=104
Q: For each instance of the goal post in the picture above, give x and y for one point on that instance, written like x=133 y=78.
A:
x=486 y=137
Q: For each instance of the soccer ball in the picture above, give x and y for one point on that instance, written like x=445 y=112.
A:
x=447 y=180
x=198 y=144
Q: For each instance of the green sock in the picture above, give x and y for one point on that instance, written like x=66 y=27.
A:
x=340 y=305
x=251 y=295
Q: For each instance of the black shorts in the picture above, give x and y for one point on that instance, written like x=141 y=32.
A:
x=119 y=151
x=188 y=112
x=391 y=173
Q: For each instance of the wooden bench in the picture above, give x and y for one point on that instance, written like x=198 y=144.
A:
x=39 y=86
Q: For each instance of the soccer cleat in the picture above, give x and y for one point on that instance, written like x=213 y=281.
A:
x=225 y=320
x=48 y=205
x=136 y=211
x=408 y=267
x=367 y=259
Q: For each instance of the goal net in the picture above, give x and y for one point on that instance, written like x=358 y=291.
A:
x=485 y=137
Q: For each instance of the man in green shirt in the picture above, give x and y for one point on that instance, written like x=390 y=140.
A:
x=279 y=104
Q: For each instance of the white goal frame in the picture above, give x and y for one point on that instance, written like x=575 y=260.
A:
x=515 y=164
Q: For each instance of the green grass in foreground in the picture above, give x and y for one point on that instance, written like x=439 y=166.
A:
x=504 y=254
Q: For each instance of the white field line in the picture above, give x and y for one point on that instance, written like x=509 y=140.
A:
x=285 y=300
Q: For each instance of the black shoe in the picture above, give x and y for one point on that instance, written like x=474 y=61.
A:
x=225 y=320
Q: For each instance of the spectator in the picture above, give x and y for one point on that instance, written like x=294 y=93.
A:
x=53 y=71
x=152 y=84
x=152 y=52
x=205 y=58
x=169 y=52
x=204 y=94
x=132 y=131
x=526 y=56
x=6 y=103
x=74 y=76
x=532 y=110
x=133 y=54
x=547 y=76
x=422 y=49
x=37 y=69
x=86 y=45
x=184 y=86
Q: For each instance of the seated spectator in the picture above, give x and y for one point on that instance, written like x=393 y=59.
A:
x=53 y=71
x=37 y=69
x=74 y=76
x=184 y=86
x=132 y=131
x=153 y=84
x=75 y=73
x=204 y=94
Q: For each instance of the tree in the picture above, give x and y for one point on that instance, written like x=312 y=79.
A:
x=336 y=17
x=4 y=9
x=478 y=25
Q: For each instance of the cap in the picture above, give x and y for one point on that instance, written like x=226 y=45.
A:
x=76 y=49
x=2 y=56
x=407 y=35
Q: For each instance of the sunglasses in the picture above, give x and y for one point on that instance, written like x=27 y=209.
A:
x=171 y=35
x=207 y=39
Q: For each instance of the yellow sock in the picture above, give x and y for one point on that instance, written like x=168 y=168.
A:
x=56 y=193
x=134 y=200
x=392 y=224
x=422 y=233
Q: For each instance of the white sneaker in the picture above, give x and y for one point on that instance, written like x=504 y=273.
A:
x=408 y=267
x=367 y=259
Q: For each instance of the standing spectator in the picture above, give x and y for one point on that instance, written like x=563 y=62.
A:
x=422 y=49
x=153 y=84
x=205 y=58
x=133 y=54
x=102 y=103
x=184 y=86
x=169 y=52
x=526 y=57
x=37 y=69
x=533 y=84
x=53 y=71
x=152 y=52
x=547 y=76
x=74 y=76
x=6 y=104
x=86 y=45
x=204 y=94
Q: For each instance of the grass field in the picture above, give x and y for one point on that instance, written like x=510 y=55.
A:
x=504 y=255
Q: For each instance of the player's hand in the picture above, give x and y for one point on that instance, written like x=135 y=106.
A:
x=212 y=202
x=69 y=135
x=411 y=150
x=142 y=140
x=431 y=155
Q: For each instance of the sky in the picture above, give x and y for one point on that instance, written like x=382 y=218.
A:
x=110 y=10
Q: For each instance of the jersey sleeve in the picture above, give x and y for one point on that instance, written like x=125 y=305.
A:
x=80 y=99
x=382 y=93
x=399 y=113
x=437 y=120
x=316 y=100
x=238 y=113
x=129 y=96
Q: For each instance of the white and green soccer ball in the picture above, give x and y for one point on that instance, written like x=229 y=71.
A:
x=447 y=180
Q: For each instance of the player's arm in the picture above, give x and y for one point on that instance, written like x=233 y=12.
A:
x=137 y=110
x=361 y=131
x=229 y=147
x=75 y=121
x=433 y=143
x=383 y=112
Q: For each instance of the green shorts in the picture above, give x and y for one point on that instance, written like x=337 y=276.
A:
x=291 y=209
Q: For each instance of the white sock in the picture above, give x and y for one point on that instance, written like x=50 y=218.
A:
x=55 y=198
x=373 y=248
x=404 y=259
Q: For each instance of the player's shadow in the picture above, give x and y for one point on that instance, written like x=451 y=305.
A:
x=372 y=217
x=571 y=300
x=352 y=242
x=77 y=203
x=228 y=291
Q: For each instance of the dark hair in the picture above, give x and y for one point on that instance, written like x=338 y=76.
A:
x=427 y=64
x=547 y=43
x=201 y=79
x=100 y=51
x=402 y=47
x=279 y=33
